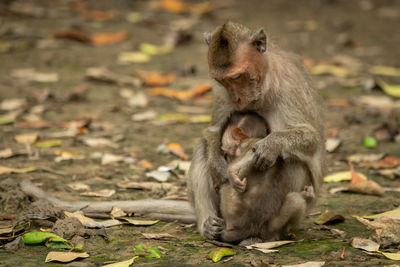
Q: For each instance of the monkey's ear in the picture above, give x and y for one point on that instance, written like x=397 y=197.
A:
x=259 y=40
x=239 y=135
x=207 y=37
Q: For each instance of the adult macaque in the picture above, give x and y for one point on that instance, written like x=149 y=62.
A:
x=265 y=80
x=255 y=204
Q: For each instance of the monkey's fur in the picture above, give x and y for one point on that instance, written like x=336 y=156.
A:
x=265 y=80
x=242 y=199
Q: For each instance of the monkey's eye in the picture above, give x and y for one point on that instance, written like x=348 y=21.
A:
x=226 y=157
x=236 y=76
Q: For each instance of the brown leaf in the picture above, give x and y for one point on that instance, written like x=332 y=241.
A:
x=72 y=35
x=355 y=177
x=177 y=150
x=155 y=78
x=387 y=163
x=65 y=256
x=100 y=193
x=109 y=38
x=338 y=102
x=145 y=164
x=6 y=153
x=174 y=6
x=100 y=15
x=181 y=94
x=40 y=124
x=329 y=217
x=158 y=236
x=368 y=187
x=29 y=138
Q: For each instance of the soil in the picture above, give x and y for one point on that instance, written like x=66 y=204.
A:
x=363 y=30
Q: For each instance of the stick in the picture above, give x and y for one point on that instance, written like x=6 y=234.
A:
x=168 y=210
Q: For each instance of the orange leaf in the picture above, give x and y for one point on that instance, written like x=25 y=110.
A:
x=145 y=164
x=99 y=15
x=355 y=177
x=154 y=78
x=177 y=149
x=174 y=6
x=308 y=63
x=181 y=94
x=109 y=38
x=338 y=102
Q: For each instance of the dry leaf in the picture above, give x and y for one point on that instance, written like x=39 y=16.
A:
x=391 y=256
x=386 y=163
x=365 y=157
x=117 y=212
x=338 y=102
x=65 y=256
x=307 y=264
x=126 y=263
x=79 y=215
x=341 y=176
x=380 y=102
x=331 y=144
x=109 y=38
x=386 y=229
x=390 y=173
x=6 y=153
x=100 y=193
x=12 y=104
x=7 y=170
x=158 y=236
x=72 y=35
x=329 y=217
x=365 y=244
x=331 y=69
x=174 y=6
x=141 y=222
x=99 y=142
x=79 y=186
x=182 y=118
x=360 y=184
x=384 y=70
x=100 y=15
x=181 y=94
x=145 y=164
x=102 y=224
x=160 y=176
x=32 y=75
x=155 y=78
x=144 y=116
x=133 y=57
x=108 y=158
x=104 y=75
x=66 y=155
x=39 y=124
x=146 y=186
x=177 y=150
x=266 y=247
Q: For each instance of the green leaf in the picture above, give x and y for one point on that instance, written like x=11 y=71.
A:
x=390 y=89
x=151 y=49
x=48 y=143
x=392 y=256
x=63 y=245
x=384 y=70
x=147 y=252
x=376 y=216
x=122 y=263
x=370 y=142
x=6 y=120
x=340 y=177
x=218 y=253
x=36 y=238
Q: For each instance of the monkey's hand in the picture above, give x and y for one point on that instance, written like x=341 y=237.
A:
x=265 y=152
x=213 y=227
x=238 y=184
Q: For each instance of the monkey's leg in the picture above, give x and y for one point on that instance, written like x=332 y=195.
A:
x=292 y=210
x=234 y=235
x=202 y=194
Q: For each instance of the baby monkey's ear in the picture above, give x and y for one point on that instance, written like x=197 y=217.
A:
x=259 y=40
x=239 y=135
x=207 y=37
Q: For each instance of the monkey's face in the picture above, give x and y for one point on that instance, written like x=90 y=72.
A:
x=244 y=78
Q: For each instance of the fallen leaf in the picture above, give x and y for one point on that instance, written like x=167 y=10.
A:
x=145 y=164
x=48 y=143
x=370 y=142
x=174 y=6
x=386 y=229
x=36 y=238
x=100 y=193
x=266 y=247
x=338 y=102
x=378 y=101
x=386 y=163
x=79 y=186
x=65 y=256
x=307 y=264
x=6 y=153
x=217 y=254
x=126 y=263
x=102 y=224
x=355 y=177
x=32 y=75
x=368 y=187
x=99 y=142
x=66 y=155
x=72 y=34
x=181 y=94
x=158 y=236
x=155 y=78
x=117 y=212
x=39 y=124
x=144 y=116
x=134 y=17
x=391 y=256
x=182 y=118
x=390 y=89
x=140 y=222
x=147 y=252
x=376 y=216
x=332 y=70
x=179 y=165
x=7 y=170
x=384 y=70
x=108 y=158
x=151 y=49
x=331 y=144
x=100 y=15
x=146 y=186
x=329 y=217
x=12 y=104
x=79 y=215
x=133 y=57
x=177 y=150
x=365 y=244
x=160 y=176
x=7 y=119
x=104 y=75
x=341 y=176
x=108 y=38
x=365 y=157
x=138 y=100
x=390 y=173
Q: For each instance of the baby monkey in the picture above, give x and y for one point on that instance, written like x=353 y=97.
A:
x=256 y=204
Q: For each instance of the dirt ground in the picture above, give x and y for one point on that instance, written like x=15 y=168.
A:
x=354 y=34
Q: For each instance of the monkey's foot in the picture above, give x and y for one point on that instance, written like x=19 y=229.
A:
x=250 y=241
x=213 y=227
x=308 y=193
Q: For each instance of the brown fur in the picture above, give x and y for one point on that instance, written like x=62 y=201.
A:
x=285 y=98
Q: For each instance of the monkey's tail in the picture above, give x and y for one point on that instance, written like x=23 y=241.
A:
x=168 y=210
